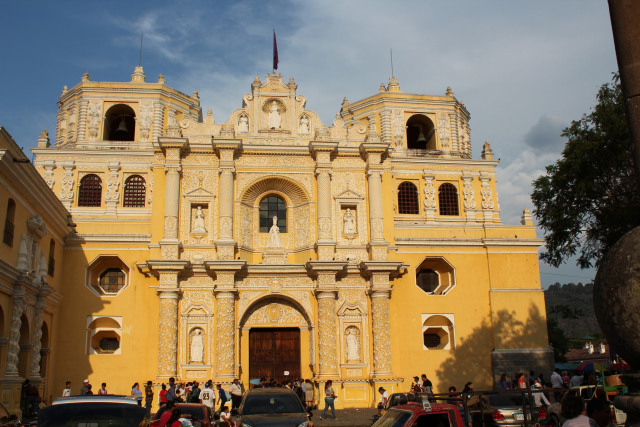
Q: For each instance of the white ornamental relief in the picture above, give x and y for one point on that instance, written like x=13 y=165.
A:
x=444 y=128
x=487 y=194
x=469 y=194
x=276 y=313
x=225 y=331
x=398 y=128
x=94 y=115
x=429 y=196
x=145 y=121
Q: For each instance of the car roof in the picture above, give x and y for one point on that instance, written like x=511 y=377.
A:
x=435 y=407
x=96 y=398
x=270 y=390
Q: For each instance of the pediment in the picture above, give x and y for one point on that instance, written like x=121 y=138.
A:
x=199 y=193
x=349 y=194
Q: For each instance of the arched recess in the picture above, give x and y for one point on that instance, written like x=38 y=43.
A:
x=421 y=133
x=45 y=350
x=104 y=334
x=196 y=316
x=298 y=207
x=438 y=332
x=260 y=326
x=120 y=123
x=25 y=346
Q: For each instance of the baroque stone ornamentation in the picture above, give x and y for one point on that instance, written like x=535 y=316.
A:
x=469 y=195
x=487 y=202
x=145 y=121
x=275 y=313
x=225 y=331
x=94 y=118
x=168 y=334
x=327 y=333
x=381 y=333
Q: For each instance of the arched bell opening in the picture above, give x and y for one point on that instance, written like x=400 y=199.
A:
x=421 y=133
x=120 y=123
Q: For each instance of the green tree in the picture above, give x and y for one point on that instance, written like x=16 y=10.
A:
x=588 y=199
x=558 y=340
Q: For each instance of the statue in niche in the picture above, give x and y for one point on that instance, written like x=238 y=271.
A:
x=353 y=348
x=197 y=347
x=274 y=235
x=349 y=222
x=274 y=116
x=243 y=124
x=198 y=222
x=304 y=125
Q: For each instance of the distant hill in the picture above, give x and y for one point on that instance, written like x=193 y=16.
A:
x=577 y=297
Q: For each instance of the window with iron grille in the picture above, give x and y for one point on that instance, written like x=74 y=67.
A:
x=269 y=207
x=112 y=280
x=134 y=192
x=427 y=280
x=448 y=199
x=90 y=191
x=52 y=262
x=8 y=223
x=408 y=198
x=431 y=340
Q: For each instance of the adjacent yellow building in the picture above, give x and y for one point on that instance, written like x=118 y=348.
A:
x=366 y=251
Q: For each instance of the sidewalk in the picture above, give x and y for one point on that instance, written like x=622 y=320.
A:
x=353 y=417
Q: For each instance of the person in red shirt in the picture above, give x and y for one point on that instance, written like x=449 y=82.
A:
x=166 y=415
x=163 y=393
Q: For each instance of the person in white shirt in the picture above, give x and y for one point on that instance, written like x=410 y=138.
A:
x=67 y=390
x=236 y=394
x=385 y=399
x=576 y=380
x=207 y=396
x=538 y=397
x=556 y=384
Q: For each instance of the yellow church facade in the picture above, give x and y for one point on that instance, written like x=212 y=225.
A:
x=366 y=251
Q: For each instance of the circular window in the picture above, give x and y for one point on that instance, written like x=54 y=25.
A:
x=112 y=280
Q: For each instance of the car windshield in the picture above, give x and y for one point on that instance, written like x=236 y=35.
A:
x=91 y=414
x=393 y=418
x=432 y=420
x=271 y=404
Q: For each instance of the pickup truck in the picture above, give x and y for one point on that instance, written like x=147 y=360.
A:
x=425 y=415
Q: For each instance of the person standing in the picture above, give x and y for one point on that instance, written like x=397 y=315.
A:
x=163 y=394
x=309 y=395
x=427 y=385
x=236 y=394
x=207 y=396
x=137 y=393
x=171 y=395
x=83 y=390
x=556 y=384
x=103 y=389
x=329 y=399
x=148 y=396
x=66 y=392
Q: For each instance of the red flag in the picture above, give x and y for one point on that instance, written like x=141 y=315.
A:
x=275 y=52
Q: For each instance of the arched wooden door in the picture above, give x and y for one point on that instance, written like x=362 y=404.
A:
x=274 y=352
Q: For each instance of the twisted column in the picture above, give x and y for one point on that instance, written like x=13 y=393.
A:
x=13 y=349
x=37 y=330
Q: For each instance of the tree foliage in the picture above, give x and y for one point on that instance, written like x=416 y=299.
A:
x=588 y=199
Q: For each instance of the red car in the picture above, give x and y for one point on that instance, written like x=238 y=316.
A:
x=427 y=415
x=196 y=412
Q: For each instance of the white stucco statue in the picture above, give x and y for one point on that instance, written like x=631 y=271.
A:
x=304 y=125
x=349 y=223
x=198 y=222
x=197 y=347
x=353 y=349
x=274 y=116
x=274 y=235
x=243 y=124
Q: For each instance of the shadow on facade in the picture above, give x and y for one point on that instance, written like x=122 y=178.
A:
x=510 y=344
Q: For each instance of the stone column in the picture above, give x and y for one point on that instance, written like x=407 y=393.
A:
x=37 y=330
x=225 y=243
x=381 y=333
x=323 y=151
x=373 y=153
x=171 y=146
x=326 y=292
x=13 y=350
x=379 y=273
x=225 y=292
x=168 y=293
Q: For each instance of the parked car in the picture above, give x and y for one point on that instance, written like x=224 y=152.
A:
x=198 y=414
x=508 y=409
x=587 y=392
x=271 y=407
x=427 y=415
x=96 y=411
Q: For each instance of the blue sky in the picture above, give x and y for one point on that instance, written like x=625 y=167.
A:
x=523 y=69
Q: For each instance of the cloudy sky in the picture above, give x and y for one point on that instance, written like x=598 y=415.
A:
x=524 y=69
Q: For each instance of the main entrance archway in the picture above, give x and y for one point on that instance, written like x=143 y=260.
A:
x=274 y=353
